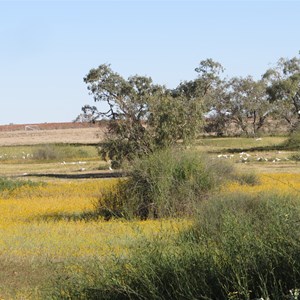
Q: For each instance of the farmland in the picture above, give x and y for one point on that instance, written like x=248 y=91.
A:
x=51 y=241
x=49 y=133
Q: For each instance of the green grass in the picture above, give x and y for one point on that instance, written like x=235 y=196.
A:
x=293 y=142
x=51 y=152
x=221 y=144
x=53 y=158
x=19 y=159
x=268 y=154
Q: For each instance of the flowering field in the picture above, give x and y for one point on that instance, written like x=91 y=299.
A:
x=41 y=226
x=49 y=227
x=41 y=221
x=272 y=182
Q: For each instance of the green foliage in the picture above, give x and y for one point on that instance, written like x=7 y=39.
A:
x=283 y=89
x=7 y=184
x=163 y=184
x=175 y=118
x=293 y=143
x=255 y=241
x=240 y=247
x=125 y=141
x=143 y=117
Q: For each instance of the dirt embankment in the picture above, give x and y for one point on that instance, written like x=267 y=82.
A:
x=47 y=133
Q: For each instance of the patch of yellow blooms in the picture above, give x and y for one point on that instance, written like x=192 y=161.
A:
x=24 y=234
x=279 y=183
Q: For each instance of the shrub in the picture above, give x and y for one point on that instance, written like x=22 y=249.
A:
x=295 y=156
x=293 y=142
x=254 y=242
x=46 y=152
x=7 y=184
x=58 y=152
x=246 y=178
x=166 y=183
x=240 y=247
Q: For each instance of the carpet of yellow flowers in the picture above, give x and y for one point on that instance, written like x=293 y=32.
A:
x=35 y=221
x=38 y=225
x=41 y=222
x=272 y=182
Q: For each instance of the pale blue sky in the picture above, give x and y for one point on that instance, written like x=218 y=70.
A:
x=47 y=47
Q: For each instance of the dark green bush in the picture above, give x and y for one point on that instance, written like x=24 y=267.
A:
x=166 y=183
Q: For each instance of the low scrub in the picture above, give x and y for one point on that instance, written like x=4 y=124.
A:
x=58 y=152
x=293 y=142
x=165 y=184
x=240 y=247
x=246 y=178
x=7 y=184
x=251 y=244
x=295 y=156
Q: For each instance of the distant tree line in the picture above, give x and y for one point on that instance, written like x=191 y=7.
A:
x=144 y=116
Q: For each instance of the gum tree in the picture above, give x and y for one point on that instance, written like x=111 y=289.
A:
x=247 y=104
x=142 y=116
x=284 y=89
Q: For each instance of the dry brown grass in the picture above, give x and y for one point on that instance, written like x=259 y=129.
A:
x=90 y=135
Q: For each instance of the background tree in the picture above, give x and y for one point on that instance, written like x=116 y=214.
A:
x=142 y=116
x=247 y=104
x=205 y=89
x=283 y=88
x=218 y=117
x=239 y=105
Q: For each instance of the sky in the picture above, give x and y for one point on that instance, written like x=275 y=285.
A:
x=47 y=47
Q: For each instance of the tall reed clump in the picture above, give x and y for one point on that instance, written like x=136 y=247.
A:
x=253 y=243
x=164 y=184
x=240 y=247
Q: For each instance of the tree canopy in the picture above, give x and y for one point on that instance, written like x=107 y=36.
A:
x=143 y=116
x=284 y=89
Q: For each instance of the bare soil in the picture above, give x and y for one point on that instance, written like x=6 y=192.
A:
x=48 y=133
